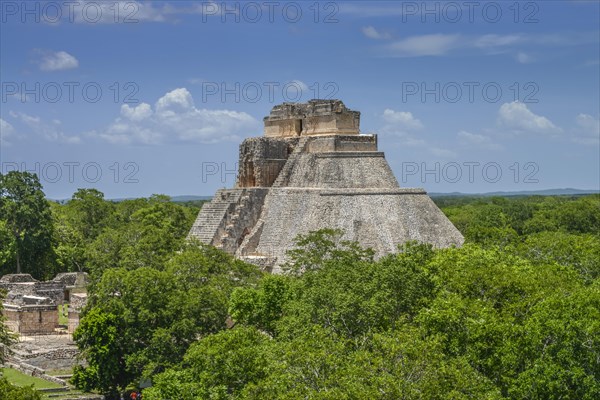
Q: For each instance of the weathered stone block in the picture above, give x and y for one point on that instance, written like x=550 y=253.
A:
x=31 y=319
x=317 y=117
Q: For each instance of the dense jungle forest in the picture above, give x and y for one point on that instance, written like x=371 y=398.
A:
x=512 y=314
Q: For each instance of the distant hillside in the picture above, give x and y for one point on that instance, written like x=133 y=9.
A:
x=546 y=192
x=176 y=199
x=180 y=199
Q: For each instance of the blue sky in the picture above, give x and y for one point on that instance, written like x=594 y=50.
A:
x=136 y=98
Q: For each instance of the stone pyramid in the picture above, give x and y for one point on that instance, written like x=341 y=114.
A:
x=312 y=170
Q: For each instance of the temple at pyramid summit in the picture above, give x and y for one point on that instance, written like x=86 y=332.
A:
x=312 y=169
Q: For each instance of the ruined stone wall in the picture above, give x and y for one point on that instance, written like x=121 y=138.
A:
x=78 y=302
x=342 y=143
x=31 y=320
x=19 y=289
x=12 y=318
x=344 y=124
x=74 y=317
x=317 y=117
x=283 y=128
x=21 y=286
x=261 y=160
x=54 y=290
x=16 y=278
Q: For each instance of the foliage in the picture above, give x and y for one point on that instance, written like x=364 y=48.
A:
x=514 y=313
x=456 y=323
x=216 y=366
x=141 y=321
x=12 y=392
x=26 y=229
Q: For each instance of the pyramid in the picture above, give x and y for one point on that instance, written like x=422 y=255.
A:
x=312 y=169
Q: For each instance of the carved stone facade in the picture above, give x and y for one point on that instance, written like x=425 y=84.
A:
x=312 y=170
x=317 y=117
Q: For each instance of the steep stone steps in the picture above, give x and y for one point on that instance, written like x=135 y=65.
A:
x=240 y=220
x=285 y=173
x=212 y=215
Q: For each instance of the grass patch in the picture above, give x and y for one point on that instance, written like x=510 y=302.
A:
x=66 y=395
x=63 y=317
x=20 y=379
x=58 y=372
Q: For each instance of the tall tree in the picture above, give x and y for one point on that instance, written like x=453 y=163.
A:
x=88 y=211
x=27 y=216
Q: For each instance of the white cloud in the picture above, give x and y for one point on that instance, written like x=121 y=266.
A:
x=6 y=128
x=110 y=12
x=588 y=129
x=371 y=9
x=524 y=58
x=137 y=113
x=175 y=118
x=493 y=40
x=372 y=33
x=402 y=124
x=476 y=140
x=57 y=61
x=589 y=124
x=6 y=131
x=176 y=101
x=441 y=44
x=134 y=11
x=402 y=119
x=518 y=118
x=425 y=45
x=50 y=131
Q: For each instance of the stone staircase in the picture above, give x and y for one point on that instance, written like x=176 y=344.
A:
x=241 y=220
x=233 y=214
x=212 y=216
x=286 y=172
x=229 y=216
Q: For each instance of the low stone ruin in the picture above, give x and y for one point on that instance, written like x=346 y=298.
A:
x=78 y=301
x=31 y=306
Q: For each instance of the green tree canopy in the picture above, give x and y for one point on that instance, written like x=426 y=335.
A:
x=27 y=217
